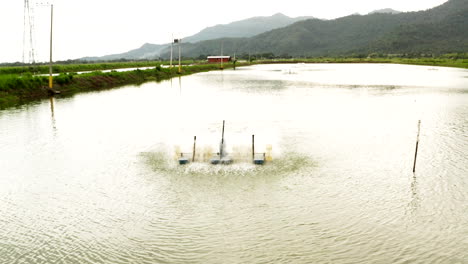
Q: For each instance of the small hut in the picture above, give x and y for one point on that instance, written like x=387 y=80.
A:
x=215 y=59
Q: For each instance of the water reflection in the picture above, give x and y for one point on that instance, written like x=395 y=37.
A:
x=52 y=113
x=414 y=202
x=180 y=85
x=338 y=189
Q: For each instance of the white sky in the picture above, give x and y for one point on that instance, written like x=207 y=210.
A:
x=101 y=27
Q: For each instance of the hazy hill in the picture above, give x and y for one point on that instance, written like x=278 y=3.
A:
x=244 y=28
x=385 y=11
x=442 y=29
x=147 y=51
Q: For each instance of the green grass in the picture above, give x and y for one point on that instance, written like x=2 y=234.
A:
x=18 y=85
x=18 y=89
x=65 y=68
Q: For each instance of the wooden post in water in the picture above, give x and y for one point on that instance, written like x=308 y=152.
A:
x=417 y=144
x=222 y=144
x=253 y=148
x=194 y=144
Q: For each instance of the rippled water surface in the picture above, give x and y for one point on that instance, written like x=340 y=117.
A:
x=93 y=178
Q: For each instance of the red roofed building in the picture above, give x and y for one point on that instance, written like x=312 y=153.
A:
x=219 y=58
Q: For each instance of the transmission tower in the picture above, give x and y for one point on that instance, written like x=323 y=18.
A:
x=29 y=53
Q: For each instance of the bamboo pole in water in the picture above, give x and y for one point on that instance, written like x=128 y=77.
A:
x=417 y=145
x=222 y=144
x=253 y=148
x=194 y=144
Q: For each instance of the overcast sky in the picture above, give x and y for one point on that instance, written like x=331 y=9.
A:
x=101 y=27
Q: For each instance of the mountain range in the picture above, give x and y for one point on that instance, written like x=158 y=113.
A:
x=147 y=51
x=244 y=28
x=442 y=29
x=385 y=11
x=238 y=29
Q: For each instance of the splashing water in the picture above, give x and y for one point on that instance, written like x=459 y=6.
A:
x=290 y=162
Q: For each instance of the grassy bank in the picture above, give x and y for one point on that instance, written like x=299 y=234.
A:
x=66 y=68
x=18 y=85
x=19 y=89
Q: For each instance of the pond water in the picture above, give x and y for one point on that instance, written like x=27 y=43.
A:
x=94 y=178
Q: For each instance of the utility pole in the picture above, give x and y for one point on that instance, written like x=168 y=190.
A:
x=180 y=66
x=50 y=62
x=172 y=45
x=222 y=44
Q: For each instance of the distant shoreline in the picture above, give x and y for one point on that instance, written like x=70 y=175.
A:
x=19 y=89
x=18 y=86
x=439 y=62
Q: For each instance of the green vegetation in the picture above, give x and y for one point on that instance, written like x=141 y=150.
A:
x=76 y=67
x=18 y=88
x=14 y=88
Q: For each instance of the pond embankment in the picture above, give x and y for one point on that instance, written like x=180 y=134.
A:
x=18 y=85
x=19 y=89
